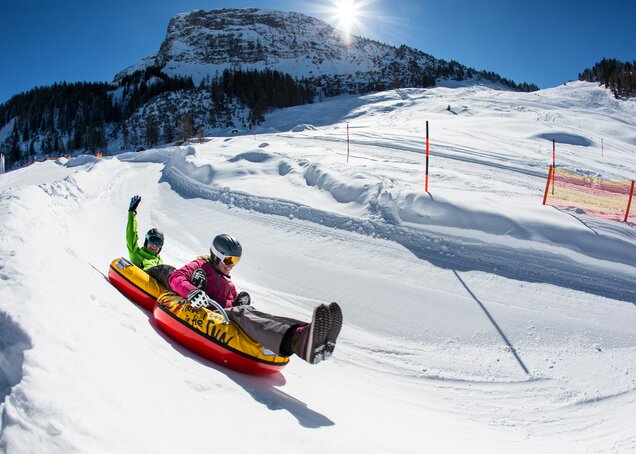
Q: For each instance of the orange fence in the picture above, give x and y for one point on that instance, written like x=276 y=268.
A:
x=601 y=198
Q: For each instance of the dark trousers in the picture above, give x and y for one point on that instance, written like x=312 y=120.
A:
x=161 y=273
x=264 y=328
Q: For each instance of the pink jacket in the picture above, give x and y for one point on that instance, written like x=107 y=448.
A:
x=218 y=287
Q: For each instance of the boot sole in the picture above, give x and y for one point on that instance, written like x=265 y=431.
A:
x=318 y=331
x=335 y=325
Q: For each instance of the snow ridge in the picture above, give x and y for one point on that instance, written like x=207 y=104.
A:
x=448 y=250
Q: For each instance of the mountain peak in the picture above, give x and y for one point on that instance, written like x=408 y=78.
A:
x=202 y=43
x=245 y=37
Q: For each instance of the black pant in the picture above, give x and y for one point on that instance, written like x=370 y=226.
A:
x=161 y=273
x=274 y=332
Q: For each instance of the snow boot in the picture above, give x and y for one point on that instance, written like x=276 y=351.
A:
x=309 y=341
x=335 y=324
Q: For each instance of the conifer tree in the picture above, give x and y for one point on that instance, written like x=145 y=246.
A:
x=152 y=131
x=186 y=126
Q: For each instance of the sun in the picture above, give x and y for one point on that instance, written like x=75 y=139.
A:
x=346 y=14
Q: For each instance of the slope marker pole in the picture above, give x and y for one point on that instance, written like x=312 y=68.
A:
x=426 y=183
x=629 y=201
x=602 y=147
x=553 y=165
x=547 y=185
x=347 y=141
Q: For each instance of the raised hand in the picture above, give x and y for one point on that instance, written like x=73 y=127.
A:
x=134 y=203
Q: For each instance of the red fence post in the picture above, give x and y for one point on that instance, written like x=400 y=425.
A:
x=547 y=185
x=629 y=202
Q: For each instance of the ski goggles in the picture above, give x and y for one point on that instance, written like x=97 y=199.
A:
x=228 y=260
x=157 y=240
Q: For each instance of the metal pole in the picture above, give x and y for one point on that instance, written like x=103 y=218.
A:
x=347 y=141
x=553 y=165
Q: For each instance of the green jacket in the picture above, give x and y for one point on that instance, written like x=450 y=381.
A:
x=143 y=257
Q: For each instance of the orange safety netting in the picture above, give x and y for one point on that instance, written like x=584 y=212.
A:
x=602 y=198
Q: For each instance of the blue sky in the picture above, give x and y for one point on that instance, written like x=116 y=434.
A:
x=543 y=42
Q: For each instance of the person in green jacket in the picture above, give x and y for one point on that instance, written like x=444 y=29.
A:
x=147 y=257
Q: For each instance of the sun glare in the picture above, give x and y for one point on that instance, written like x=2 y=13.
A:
x=346 y=13
x=350 y=17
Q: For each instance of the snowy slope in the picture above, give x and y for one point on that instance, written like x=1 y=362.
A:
x=475 y=317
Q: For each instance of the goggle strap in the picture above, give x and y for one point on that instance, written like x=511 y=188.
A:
x=217 y=254
x=222 y=257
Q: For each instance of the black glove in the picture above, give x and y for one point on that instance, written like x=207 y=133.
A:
x=242 y=299
x=134 y=203
x=199 y=279
x=197 y=298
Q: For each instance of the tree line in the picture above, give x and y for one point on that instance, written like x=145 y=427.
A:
x=67 y=117
x=77 y=112
x=619 y=77
x=141 y=86
x=260 y=91
x=149 y=107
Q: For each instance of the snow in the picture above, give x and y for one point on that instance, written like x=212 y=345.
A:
x=475 y=318
x=7 y=130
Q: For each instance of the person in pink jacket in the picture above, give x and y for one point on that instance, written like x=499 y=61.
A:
x=209 y=277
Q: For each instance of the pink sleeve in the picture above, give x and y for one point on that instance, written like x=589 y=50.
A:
x=231 y=295
x=180 y=279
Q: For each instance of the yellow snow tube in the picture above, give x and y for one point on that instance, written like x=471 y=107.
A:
x=204 y=331
x=135 y=283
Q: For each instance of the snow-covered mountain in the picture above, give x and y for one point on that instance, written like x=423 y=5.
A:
x=202 y=44
x=476 y=319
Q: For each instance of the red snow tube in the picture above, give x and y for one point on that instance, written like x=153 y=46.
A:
x=137 y=285
x=203 y=331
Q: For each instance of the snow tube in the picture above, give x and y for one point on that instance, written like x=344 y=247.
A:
x=134 y=283
x=203 y=331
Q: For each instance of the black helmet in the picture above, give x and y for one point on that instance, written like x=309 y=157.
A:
x=226 y=248
x=154 y=236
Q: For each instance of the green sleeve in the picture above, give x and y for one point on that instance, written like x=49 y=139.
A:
x=140 y=256
x=132 y=238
